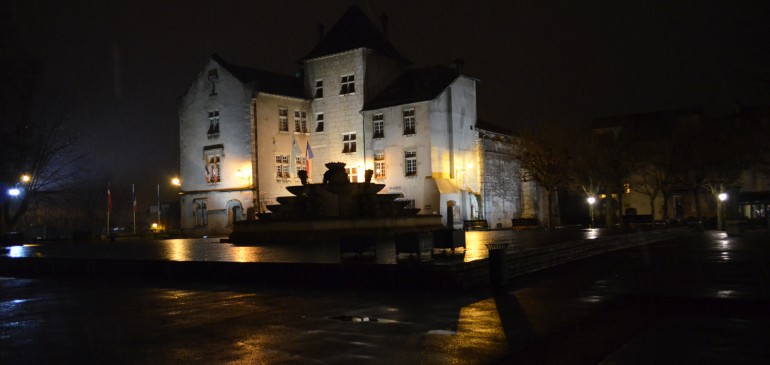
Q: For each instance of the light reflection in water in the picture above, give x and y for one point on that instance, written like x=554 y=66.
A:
x=17 y=251
x=244 y=254
x=479 y=330
x=178 y=250
x=476 y=241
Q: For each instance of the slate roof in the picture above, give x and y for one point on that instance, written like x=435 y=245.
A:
x=264 y=81
x=415 y=85
x=494 y=128
x=352 y=31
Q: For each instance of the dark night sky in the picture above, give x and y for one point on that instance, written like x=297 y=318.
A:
x=124 y=63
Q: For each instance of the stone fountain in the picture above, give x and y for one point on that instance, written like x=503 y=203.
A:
x=331 y=211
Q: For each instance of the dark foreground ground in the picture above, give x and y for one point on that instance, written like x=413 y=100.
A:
x=703 y=299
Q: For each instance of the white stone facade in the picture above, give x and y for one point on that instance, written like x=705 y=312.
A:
x=426 y=150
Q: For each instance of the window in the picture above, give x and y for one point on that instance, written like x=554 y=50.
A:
x=282 y=166
x=410 y=163
x=348 y=85
x=379 y=125
x=300 y=121
x=319 y=122
x=213 y=163
x=627 y=188
x=408 y=121
x=349 y=142
x=319 y=89
x=200 y=213
x=283 y=120
x=352 y=174
x=213 y=124
x=379 y=165
x=213 y=78
x=300 y=164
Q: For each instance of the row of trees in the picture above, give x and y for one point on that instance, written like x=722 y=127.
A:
x=657 y=155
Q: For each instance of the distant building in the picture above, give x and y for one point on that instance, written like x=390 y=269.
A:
x=245 y=133
x=712 y=148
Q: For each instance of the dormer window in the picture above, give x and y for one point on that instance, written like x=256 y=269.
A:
x=348 y=85
x=213 y=78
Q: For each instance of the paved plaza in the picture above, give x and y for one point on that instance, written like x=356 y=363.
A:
x=702 y=298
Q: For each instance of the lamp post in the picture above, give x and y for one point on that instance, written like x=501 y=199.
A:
x=591 y=200
x=720 y=219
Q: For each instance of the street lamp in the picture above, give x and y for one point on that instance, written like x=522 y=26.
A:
x=720 y=219
x=176 y=182
x=25 y=178
x=14 y=191
x=591 y=200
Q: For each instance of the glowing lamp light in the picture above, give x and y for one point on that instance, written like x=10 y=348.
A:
x=591 y=200
x=155 y=226
x=469 y=165
x=14 y=192
x=176 y=182
x=25 y=178
x=722 y=197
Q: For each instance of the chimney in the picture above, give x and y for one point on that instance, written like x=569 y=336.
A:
x=320 y=29
x=459 y=65
x=384 y=21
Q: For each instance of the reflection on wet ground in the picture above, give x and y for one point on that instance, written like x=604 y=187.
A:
x=211 y=249
x=671 y=302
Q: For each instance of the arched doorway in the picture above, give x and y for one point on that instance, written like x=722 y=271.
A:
x=234 y=212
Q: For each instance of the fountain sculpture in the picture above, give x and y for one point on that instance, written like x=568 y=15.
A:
x=333 y=210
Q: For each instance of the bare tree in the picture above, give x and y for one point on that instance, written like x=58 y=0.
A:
x=545 y=157
x=35 y=140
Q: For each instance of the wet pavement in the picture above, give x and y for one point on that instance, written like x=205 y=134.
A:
x=211 y=249
x=701 y=299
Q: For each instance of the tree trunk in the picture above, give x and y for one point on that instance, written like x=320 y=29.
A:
x=652 y=207
x=698 y=213
x=549 y=212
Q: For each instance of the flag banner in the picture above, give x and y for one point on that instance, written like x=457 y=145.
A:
x=133 y=198
x=294 y=154
x=308 y=151
x=109 y=199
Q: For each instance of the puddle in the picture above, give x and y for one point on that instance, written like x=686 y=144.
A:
x=361 y=319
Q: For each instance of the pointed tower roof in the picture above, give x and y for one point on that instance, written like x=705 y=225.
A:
x=352 y=31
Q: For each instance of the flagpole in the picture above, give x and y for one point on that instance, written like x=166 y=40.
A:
x=109 y=208
x=159 y=206
x=133 y=204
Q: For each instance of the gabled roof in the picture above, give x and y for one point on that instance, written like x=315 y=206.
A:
x=354 y=30
x=264 y=81
x=415 y=85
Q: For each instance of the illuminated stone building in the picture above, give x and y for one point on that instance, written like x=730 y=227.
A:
x=245 y=133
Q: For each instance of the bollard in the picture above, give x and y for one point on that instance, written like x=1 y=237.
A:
x=498 y=270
